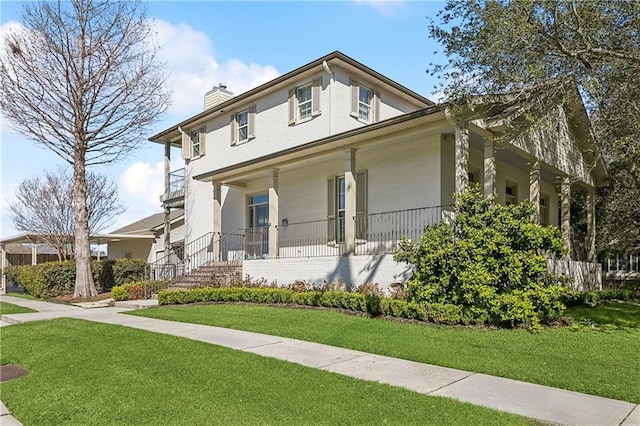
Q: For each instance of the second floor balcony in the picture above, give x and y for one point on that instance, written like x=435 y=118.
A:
x=174 y=194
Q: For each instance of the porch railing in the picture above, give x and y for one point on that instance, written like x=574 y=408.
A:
x=376 y=233
x=172 y=265
x=621 y=263
x=379 y=233
x=314 y=238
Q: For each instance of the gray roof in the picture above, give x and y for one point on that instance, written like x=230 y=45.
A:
x=148 y=223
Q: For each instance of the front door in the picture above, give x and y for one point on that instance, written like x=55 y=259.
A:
x=258 y=232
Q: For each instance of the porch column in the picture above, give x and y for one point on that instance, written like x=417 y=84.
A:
x=34 y=252
x=565 y=212
x=3 y=264
x=273 y=214
x=534 y=189
x=591 y=225
x=350 y=202
x=167 y=209
x=217 y=218
x=462 y=158
x=489 y=168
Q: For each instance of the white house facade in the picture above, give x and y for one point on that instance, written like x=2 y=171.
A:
x=315 y=175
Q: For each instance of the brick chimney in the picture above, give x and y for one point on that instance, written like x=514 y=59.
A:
x=216 y=96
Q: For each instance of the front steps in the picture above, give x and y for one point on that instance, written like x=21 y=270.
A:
x=217 y=274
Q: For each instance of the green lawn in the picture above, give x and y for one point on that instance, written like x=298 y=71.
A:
x=8 y=308
x=85 y=373
x=25 y=296
x=583 y=360
x=621 y=314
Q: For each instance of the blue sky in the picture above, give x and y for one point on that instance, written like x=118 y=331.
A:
x=243 y=44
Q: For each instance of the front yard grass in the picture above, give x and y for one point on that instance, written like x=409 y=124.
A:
x=604 y=363
x=8 y=309
x=619 y=314
x=95 y=374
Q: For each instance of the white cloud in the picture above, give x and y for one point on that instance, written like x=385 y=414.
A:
x=7 y=196
x=194 y=69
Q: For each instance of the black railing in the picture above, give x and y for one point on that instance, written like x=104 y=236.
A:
x=315 y=238
x=173 y=264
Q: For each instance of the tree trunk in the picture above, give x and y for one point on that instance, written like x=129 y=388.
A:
x=84 y=279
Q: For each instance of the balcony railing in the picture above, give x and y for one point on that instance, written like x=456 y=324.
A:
x=620 y=263
x=176 y=181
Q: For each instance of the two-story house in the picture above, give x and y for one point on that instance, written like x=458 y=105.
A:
x=316 y=174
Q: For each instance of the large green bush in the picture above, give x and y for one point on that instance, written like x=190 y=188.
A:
x=52 y=279
x=490 y=260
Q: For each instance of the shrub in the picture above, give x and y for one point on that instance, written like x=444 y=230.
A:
x=138 y=290
x=489 y=260
x=128 y=270
x=52 y=279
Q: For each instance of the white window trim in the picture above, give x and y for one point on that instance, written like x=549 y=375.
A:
x=315 y=86
x=374 y=102
x=299 y=118
x=239 y=126
x=195 y=136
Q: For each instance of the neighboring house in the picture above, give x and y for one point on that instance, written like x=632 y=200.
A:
x=144 y=239
x=315 y=175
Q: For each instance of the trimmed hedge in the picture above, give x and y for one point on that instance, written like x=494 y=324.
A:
x=138 y=290
x=52 y=279
x=372 y=303
x=577 y=298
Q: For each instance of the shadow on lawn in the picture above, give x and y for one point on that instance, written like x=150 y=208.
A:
x=622 y=314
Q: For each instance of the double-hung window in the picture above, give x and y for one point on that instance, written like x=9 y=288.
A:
x=194 y=143
x=304 y=101
x=243 y=125
x=365 y=100
x=303 y=96
x=365 y=103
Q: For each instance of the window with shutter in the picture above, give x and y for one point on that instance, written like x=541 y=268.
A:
x=304 y=101
x=365 y=103
x=336 y=207
x=243 y=125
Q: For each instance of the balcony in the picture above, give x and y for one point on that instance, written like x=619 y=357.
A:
x=175 y=195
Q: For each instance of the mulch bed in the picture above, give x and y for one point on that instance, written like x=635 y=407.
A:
x=9 y=372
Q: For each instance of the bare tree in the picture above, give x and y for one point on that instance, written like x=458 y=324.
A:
x=82 y=78
x=45 y=206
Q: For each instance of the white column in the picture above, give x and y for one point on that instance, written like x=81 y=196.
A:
x=591 y=225
x=34 y=252
x=273 y=214
x=350 y=202
x=565 y=212
x=217 y=219
x=462 y=158
x=3 y=264
x=167 y=209
x=489 y=168
x=534 y=189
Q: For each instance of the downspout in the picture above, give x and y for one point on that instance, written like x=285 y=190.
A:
x=325 y=65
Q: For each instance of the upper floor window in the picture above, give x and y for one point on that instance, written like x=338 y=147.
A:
x=365 y=100
x=365 y=103
x=303 y=96
x=304 y=101
x=243 y=125
x=193 y=143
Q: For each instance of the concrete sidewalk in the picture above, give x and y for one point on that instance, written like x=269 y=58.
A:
x=535 y=401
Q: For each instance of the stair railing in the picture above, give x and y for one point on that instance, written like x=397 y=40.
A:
x=172 y=265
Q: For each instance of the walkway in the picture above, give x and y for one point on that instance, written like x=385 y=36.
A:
x=535 y=401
